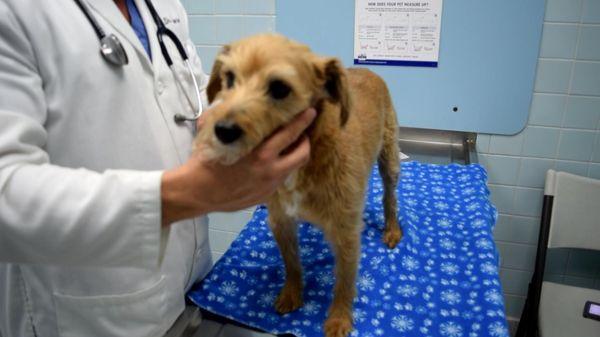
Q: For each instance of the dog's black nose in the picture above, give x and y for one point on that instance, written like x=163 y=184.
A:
x=228 y=132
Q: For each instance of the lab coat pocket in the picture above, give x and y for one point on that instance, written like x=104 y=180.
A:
x=133 y=314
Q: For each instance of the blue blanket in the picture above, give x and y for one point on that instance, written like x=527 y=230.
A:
x=441 y=280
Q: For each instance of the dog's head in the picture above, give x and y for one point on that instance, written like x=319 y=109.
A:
x=261 y=83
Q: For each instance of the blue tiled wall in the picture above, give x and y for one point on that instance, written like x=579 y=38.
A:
x=563 y=133
x=216 y=22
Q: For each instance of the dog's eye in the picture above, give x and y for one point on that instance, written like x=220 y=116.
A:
x=230 y=77
x=279 y=89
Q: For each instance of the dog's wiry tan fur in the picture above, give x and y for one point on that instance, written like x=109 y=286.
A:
x=356 y=125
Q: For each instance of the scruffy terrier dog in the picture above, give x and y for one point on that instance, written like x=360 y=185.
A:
x=262 y=83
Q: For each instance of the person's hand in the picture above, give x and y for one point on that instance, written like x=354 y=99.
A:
x=200 y=187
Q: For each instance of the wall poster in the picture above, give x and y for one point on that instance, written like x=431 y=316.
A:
x=397 y=33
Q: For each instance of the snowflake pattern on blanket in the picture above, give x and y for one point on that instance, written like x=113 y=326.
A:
x=441 y=280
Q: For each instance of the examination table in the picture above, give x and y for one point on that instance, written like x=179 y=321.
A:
x=442 y=279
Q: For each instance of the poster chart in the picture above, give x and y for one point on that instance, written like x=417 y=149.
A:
x=397 y=33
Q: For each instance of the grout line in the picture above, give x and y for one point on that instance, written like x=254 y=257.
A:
x=570 y=86
x=520 y=187
x=565 y=94
x=547 y=273
x=523 y=134
x=561 y=59
x=564 y=107
x=520 y=167
x=565 y=23
x=564 y=274
x=514 y=199
x=548 y=94
x=562 y=128
x=548 y=158
x=516 y=269
x=519 y=216
x=560 y=23
x=574 y=59
x=516 y=243
x=554 y=165
x=587 y=60
x=514 y=192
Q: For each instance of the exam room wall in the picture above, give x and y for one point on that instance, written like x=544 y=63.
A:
x=563 y=132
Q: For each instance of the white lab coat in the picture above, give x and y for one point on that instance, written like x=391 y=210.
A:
x=82 y=149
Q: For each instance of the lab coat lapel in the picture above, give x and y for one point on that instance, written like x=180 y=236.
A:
x=110 y=12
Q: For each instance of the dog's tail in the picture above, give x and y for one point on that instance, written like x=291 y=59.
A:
x=389 y=169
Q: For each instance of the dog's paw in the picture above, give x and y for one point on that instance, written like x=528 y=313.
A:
x=391 y=237
x=288 y=300
x=338 y=326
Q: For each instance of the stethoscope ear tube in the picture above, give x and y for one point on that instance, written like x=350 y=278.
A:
x=114 y=53
x=182 y=118
x=162 y=31
x=99 y=32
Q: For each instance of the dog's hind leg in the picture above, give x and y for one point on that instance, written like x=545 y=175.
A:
x=346 y=246
x=389 y=169
x=284 y=230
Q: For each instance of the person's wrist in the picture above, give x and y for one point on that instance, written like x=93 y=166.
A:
x=179 y=195
x=168 y=197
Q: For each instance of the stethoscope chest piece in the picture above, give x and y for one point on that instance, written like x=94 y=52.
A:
x=113 y=51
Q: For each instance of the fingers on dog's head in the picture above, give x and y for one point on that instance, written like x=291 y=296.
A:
x=285 y=137
x=296 y=157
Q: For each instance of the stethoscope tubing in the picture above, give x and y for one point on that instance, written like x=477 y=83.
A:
x=161 y=31
x=99 y=31
x=113 y=52
x=182 y=118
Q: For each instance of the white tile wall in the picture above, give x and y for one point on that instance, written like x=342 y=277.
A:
x=563 y=133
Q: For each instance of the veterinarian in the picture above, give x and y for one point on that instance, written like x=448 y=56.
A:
x=102 y=226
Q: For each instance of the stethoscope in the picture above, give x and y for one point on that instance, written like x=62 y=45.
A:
x=113 y=52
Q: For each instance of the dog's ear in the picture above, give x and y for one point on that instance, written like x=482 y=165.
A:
x=215 y=81
x=336 y=86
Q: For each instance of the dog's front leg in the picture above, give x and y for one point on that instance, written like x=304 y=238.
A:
x=345 y=241
x=284 y=230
